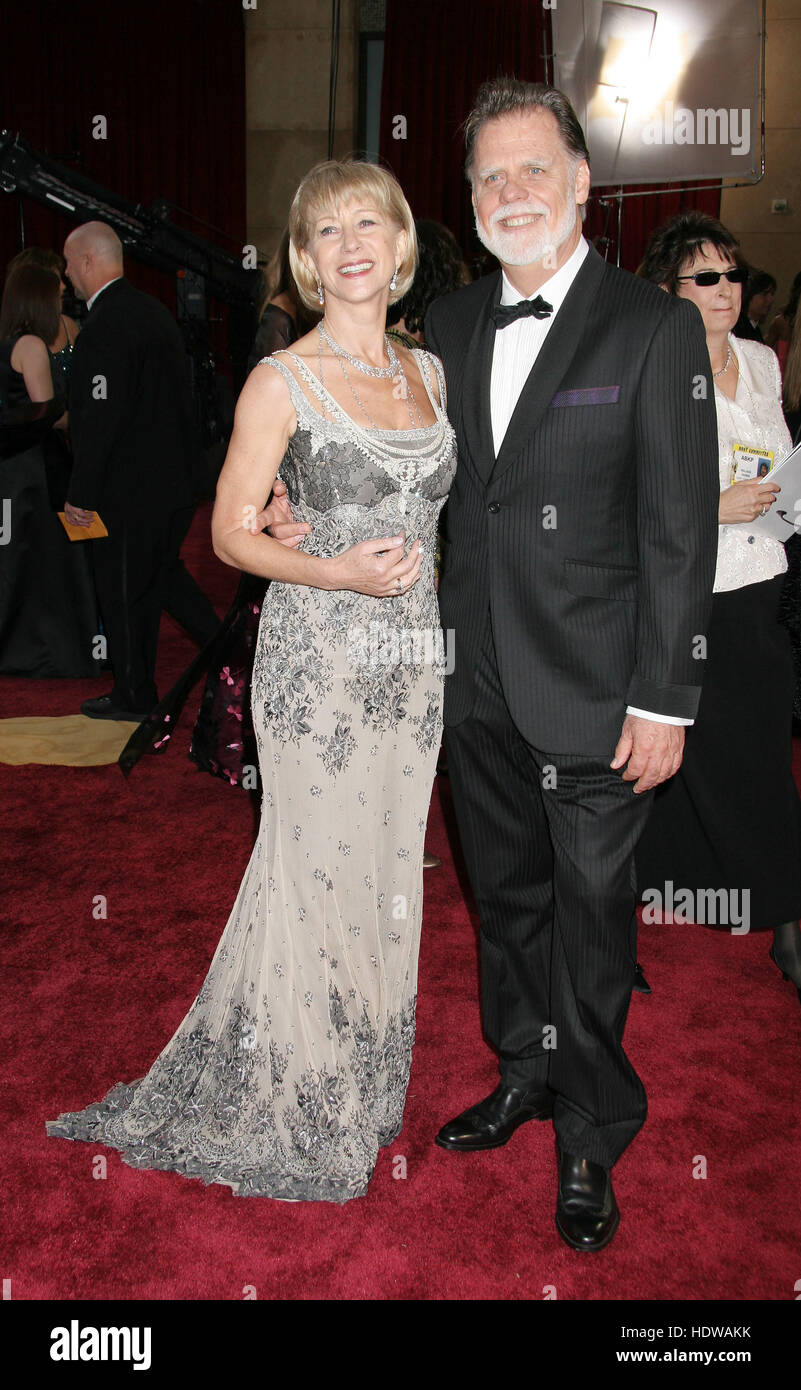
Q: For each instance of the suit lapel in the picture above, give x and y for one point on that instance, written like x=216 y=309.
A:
x=552 y=363
x=476 y=418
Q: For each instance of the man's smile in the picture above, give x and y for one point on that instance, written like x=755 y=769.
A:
x=520 y=220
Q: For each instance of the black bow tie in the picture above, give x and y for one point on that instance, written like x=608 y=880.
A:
x=504 y=314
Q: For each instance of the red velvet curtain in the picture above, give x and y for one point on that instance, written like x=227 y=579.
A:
x=170 y=80
x=437 y=53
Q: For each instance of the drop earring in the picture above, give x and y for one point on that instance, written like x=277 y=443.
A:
x=320 y=293
x=393 y=284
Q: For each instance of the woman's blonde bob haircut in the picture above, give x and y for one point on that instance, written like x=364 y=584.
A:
x=328 y=187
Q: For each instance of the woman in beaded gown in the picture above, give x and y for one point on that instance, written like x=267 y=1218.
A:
x=290 y=1069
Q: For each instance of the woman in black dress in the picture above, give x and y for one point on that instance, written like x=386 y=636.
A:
x=48 y=612
x=61 y=346
x=58 y=455
x=727 y=828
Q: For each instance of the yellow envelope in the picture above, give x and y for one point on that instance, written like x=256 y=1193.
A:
x=92 y=532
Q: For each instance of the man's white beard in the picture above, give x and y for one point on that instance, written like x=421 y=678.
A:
x=512 y=249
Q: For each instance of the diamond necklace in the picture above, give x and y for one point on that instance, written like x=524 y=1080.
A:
x=356 y=362
x=408 y=394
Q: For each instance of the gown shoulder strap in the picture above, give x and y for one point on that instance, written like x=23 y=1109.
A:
x=300 y=398
x=427 y=361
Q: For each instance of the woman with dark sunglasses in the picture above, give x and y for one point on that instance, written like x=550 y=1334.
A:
x=730 y=820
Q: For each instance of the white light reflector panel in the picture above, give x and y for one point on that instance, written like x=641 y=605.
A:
x=664 y=91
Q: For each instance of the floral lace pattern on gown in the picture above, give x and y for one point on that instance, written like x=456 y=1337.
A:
x=290 y=1069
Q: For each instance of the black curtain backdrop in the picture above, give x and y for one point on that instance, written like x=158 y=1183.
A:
x=437 y=53
x=169 y=76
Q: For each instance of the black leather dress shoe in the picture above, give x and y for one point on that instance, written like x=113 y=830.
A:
x=587 y=1215
x=494 y=1120
x=641 y=985
x=104 y=708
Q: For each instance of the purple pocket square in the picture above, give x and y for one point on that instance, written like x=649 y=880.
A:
x=588 y=395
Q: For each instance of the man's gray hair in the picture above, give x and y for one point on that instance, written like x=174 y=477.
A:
x=502 y=96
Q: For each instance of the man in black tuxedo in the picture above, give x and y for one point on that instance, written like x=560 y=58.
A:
x=579 y=558
x=137 y=461
x=758 y=298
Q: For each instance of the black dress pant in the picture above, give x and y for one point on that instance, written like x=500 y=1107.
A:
x=549 y=841
x=181 y=595
x=138 y=572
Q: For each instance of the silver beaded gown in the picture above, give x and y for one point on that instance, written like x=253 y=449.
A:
x=290 y=1069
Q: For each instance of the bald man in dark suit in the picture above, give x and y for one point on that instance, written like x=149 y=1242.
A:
x=137 y=463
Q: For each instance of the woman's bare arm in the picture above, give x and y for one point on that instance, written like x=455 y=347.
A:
x=264 y=420
x=31 y=358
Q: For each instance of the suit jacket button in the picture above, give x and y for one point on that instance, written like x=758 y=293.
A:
x=494 y=507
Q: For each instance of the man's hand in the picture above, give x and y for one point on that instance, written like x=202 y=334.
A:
x=76 y=516
x=653 y=751
x=278 y=520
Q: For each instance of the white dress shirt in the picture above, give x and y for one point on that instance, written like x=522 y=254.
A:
x=93 y=297
x=754 y=417
x=517 y=346
x=516 y=350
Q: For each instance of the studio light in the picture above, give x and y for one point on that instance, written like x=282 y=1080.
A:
x=665 y=92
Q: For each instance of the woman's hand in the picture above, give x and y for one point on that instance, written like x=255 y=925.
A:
x=378 y=567
x=745 y=501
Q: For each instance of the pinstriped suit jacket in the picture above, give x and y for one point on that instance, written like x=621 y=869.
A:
x=592 y=538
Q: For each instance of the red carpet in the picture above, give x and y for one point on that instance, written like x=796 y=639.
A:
x=88 y=1002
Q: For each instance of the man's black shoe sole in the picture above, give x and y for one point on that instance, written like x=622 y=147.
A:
x=120 y=716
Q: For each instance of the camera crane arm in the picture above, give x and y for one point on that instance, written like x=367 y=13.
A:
x=147 y=234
